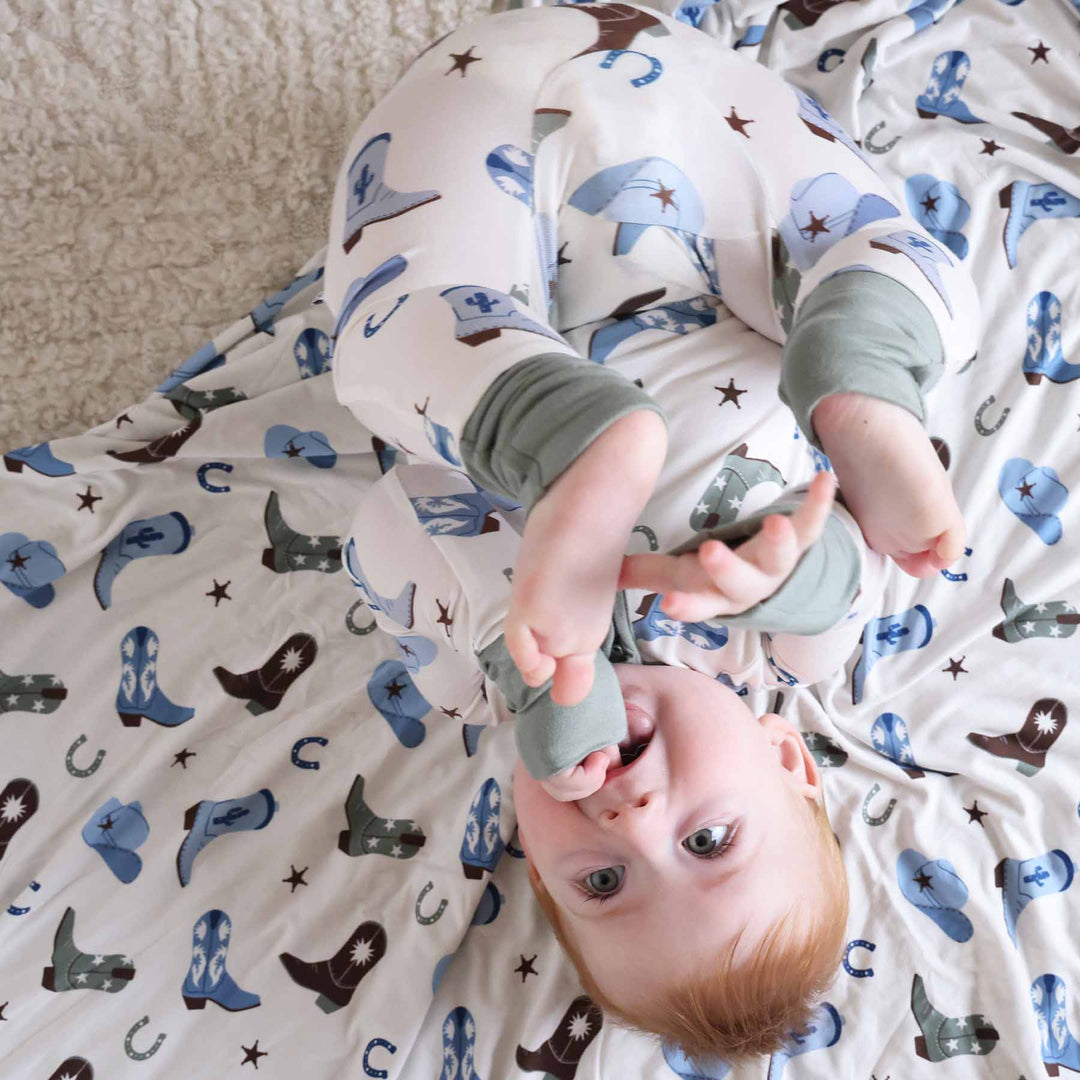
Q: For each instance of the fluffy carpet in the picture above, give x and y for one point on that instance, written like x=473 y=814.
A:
x=163 y=167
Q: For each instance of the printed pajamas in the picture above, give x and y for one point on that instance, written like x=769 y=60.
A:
x=597 y=182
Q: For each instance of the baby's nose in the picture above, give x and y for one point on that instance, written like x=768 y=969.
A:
x=635 y=807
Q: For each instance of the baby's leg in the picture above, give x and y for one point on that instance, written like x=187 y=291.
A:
x=440 y=265
x=867 y=305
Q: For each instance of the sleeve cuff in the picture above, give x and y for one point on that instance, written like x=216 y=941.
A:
x=859 y=332
x=550 y=737
x=538 y=417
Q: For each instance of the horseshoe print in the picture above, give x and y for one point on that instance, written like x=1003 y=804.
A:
x=217 y=489
x=649 y=535
x=353 y=628
x=641 y=80
x=826 y=56
x=69 y=759
x=371 y=330
x=868 y=145
x=379 y=1074
x=427 y=920
x=979 y=426
x=303 y=763
x=950 y=576
x=134 y=1054
x=23 y=909
x=859 y=973
x=881 y=818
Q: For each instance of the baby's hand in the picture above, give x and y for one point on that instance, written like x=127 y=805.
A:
x=714 y=580
x=583 y=779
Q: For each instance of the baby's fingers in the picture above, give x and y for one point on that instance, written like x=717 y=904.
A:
x=809 y=520
x=535 y=666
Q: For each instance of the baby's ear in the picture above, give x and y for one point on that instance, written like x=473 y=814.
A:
x=793 y=754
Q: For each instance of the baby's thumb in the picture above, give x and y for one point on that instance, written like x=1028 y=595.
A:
x=535 y=667
x=947 y=547
x=573 y=679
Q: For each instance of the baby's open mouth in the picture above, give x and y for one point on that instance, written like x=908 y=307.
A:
x=638 y=735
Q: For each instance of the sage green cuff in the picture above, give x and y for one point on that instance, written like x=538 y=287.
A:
x=538 y=417
x=859 y=332
x=550 y=737
x=815 y=596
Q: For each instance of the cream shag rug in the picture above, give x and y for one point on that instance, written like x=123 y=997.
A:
x=164 y=165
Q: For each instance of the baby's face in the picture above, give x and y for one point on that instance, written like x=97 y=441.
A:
x=712 y=775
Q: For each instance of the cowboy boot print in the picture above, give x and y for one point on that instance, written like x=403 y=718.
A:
x=38 y=694
x=560 y=1054
x=336 y=979
x=18 y=804
x=265 y=687
x=162 y=448
x=72 y=969
x=291 y=550
x=368 y=834
x=1028 y=747
x=944 y=1036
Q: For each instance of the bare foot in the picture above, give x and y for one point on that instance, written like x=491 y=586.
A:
x=892 y=481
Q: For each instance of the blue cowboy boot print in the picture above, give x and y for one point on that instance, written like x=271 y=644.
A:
x=657 y=624
x=681 y=317
x=312 y=352
x=483 y=313
x=370 y=198
x=885 y=636
x=482 y=845
x=923 y=253
x=1028 y=203
x=466 y=514
x=1043 y=355
x=397 y=608
x=941 y=97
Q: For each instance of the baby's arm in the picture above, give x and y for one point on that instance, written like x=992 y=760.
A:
x=802 y=580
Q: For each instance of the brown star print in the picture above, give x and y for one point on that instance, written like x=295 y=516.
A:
x=974 y=813
x=451 y=714
x=463 y=60
x=296 y=877
x=737 y=123
x=393 y=689
x=730 y=393
x=218 y=591
x=87 y=499
x=1025 y=489
x=180 y=758
x=955 y=668
x=930 y=203
x=252 y=1054
x=817 y=225
x=445 y=618
x=526 y=967
x=664 y=195
x=1040 y=52
x=990 y=147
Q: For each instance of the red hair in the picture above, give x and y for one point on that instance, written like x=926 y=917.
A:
x=736 y=1014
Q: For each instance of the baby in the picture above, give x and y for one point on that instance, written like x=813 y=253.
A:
x=549 y=243
x=751 y=941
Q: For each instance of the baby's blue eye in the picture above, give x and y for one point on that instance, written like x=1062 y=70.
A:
x=706 y=843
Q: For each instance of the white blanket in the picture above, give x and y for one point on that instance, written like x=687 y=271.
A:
x=180 y=639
